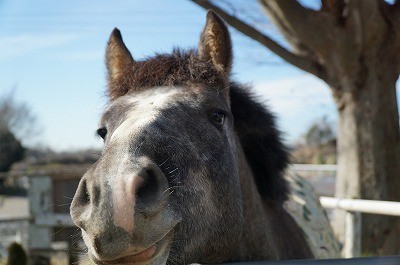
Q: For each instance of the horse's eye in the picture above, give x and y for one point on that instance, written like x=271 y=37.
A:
x=218 y=117
x=102 y=132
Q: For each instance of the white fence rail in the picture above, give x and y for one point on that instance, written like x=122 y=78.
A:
x=363 y=206
x=311 y=167
x=353 y=209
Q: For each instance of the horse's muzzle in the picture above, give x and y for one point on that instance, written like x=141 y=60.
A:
x=115 y=211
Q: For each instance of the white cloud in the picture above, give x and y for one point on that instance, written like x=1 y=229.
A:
x=13 y=46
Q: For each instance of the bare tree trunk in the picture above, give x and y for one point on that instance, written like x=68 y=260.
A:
x=369 y=149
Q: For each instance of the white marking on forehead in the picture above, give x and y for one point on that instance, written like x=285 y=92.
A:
x=147 y=108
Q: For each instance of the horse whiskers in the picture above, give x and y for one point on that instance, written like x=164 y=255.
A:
x=59 y=230
x=137 y=149
x=62 y=205
x=172 y=171
x=75 y=242
x=64 y=227
x=160 y=165
x=171 y=188
x=175 y=179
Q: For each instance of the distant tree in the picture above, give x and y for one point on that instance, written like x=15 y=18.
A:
x=317 y=145
x=320 y=133
x=16 y=124
x=17 y=117
x=11 y=150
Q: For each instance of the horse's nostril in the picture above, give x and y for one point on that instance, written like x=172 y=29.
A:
x=96 y=195
x=151 y=189
x=148 y=191
x=80 y=204
x=84 y=197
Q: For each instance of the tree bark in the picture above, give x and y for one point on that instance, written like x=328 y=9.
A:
x=369 y=150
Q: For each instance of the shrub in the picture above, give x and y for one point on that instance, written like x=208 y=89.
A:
x=16 y=255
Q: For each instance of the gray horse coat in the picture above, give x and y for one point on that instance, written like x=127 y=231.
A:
x=191 y=170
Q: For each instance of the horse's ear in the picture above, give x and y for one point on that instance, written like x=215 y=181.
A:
x=118 y=58
x=215 y=43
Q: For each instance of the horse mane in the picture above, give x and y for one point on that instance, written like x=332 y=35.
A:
x=266 y=154
x=254 y=124
x=180 y=68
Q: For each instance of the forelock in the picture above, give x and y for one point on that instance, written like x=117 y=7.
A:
x=177 y=69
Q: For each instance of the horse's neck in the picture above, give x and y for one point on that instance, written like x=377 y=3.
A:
x=268 y=232
x=255 y=240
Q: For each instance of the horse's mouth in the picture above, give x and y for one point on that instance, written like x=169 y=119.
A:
x=146 y=256
x=140 y=257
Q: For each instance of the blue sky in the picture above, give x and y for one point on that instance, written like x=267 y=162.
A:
x=53 y=53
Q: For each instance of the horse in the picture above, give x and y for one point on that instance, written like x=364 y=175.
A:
x=192 y=165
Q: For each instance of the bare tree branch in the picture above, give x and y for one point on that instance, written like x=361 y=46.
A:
x=303 y=62
x=393 y=15
x=335 y=8
x=17 y=117
x=300 y=25
x=292 y=13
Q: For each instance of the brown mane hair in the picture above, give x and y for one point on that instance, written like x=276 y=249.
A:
x=181 y=68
